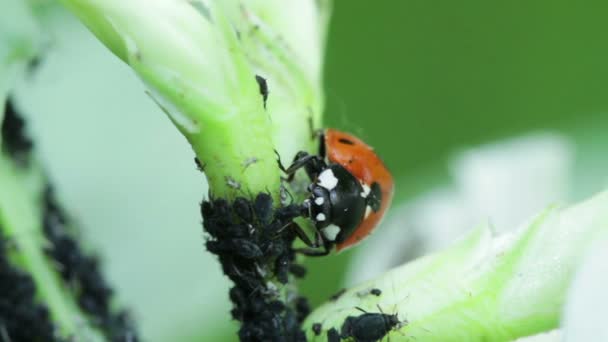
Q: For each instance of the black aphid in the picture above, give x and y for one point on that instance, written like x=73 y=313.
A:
x=15 y=143
x=263 y=88
x=316 y=328
x=93 y=293
x=333 y=335
x=337 y=295
x=21 y=317
x=368 y=327
x=252 y=244
x=376 y=292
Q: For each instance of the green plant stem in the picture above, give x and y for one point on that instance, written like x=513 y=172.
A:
x=20 y=188
x=189 y=56
x=484 y=288
x=20 y=217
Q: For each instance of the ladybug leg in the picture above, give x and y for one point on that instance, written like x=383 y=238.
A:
x=327 y=246
x=301 y=159
x=312 y=164
x=302 y=235
x=281 y=167
x=313 y=247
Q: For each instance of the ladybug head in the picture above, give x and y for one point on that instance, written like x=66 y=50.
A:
x=337 y=203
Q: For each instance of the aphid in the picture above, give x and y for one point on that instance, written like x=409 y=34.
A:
x=262 y=206
x=199 y=164
x=242 y=209
x=316 y=328
x=297 y=270
x=376 y=292
x=351 y=190
x=333 y=335
x=282 y=268
x=337 y=295
x=263 y=88
x=232 y=183
x=369 y=327
x=15 y=142
x=249 y=161
x=241 y=247
x=373 y=291
x=302 y=308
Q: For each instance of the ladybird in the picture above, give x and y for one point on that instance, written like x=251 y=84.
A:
x=349 y=193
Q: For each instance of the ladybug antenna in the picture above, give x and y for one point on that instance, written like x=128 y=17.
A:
x=358 y=308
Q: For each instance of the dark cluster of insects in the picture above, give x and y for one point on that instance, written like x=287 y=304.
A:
x=83 y=274
x=247 y=235
x=15 y=143
x=21 y=319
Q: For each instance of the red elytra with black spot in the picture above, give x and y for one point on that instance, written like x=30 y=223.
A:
x=362 y=162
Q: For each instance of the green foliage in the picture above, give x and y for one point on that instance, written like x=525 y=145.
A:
x=484 y=288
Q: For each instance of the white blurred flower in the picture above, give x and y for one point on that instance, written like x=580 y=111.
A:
x=586 y=308
x=511 y=180
x=551 y=336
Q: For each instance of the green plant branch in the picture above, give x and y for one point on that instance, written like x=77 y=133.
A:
x=189 y=56
x=291 y=59
x=485 y=288
x=20 y=216
x=199 y=59
x=21 y=187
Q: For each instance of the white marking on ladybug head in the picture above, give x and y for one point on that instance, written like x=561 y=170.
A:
x=319 y=200
x=331 y=232
x=327 y=179
x=320 y=217
x=368 y=210
x=366 y=190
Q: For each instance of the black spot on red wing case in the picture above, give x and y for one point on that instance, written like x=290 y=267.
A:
x=346 y=141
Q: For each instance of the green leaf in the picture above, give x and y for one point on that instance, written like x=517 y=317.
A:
x=485 y=288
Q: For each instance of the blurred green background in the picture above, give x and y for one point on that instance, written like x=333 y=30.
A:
x=417 y=80
x=420 y=78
